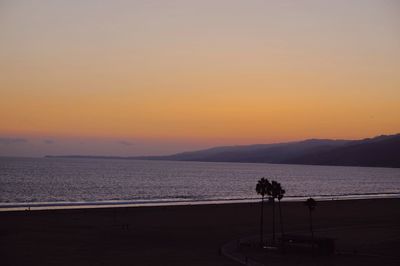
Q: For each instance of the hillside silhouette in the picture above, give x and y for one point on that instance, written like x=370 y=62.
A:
x=380 y=151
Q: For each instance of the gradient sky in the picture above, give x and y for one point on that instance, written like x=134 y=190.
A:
x=156 y=77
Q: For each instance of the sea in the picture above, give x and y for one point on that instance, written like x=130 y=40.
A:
x=50 y=183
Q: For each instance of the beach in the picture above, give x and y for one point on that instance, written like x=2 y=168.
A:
x=190 y=235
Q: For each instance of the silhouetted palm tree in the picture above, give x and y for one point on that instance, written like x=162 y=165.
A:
x=273 y=194
x=262 y=188
x=311 y=204
x=281 y=193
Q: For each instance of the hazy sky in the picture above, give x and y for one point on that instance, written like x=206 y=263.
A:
x=154 y=77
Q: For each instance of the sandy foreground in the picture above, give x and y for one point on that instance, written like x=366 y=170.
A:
x=190 y=235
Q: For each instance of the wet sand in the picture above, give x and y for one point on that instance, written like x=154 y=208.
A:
x=188 y=235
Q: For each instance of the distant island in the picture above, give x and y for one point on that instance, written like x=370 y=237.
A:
x=380 y=151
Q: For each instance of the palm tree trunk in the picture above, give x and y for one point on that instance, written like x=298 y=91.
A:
x=262 y=223
x=281 y=222
x=273 y=222
x=312 y=232
x=281 y=219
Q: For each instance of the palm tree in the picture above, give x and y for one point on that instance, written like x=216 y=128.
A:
x=311 y=204
x=281 y=193
x=262 y=188
x=273 y=194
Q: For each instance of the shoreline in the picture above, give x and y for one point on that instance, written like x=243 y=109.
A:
x=34 y=206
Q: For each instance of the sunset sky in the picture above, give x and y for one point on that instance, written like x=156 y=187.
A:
x=157 y=77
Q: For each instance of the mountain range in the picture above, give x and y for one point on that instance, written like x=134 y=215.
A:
x=380 y=151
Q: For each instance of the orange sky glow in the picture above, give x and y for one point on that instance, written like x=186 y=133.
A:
x=169 y=76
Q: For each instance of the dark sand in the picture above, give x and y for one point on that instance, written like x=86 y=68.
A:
x=187 y=235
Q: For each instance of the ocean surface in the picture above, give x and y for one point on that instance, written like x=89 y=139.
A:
x=68 y=182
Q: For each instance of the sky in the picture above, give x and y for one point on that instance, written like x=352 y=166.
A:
x=158 y=77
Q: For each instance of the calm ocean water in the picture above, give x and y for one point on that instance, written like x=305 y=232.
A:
x=45 y=180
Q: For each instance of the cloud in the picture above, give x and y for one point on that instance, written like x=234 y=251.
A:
x=10 y=141
x=125 y=143
x=48 y=141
